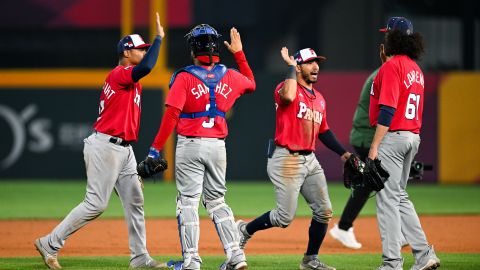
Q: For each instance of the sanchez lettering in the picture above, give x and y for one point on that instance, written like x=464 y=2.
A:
x=222 y=89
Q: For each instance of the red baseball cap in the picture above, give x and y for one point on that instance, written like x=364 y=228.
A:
x=307 y=55
x=134 y=41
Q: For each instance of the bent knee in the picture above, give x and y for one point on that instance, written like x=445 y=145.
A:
x=280 y=219
x=95 y=208
x=324 y=216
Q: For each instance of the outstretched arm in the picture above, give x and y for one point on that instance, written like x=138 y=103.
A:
x=289 y=89
x=169 y=122
x=329 y=139
x=150 y=59
x=236 y=48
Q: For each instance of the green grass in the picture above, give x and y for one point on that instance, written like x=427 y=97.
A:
x=256 y=262
x=54 y=199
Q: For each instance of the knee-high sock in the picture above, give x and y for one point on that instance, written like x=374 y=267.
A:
x=260 y=223
x=316 y=234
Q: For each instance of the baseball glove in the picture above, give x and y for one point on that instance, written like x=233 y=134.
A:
x=151 y=166
x=353 y=170
x=375 y=175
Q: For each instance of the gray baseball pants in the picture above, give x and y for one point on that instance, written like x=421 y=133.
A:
x=200 y=168
x=396 y=214
x=294 y=174
x=108 y=166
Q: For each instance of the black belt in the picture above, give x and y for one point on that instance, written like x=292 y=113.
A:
x=114 y=140
x=196 y=137
x=300 y=152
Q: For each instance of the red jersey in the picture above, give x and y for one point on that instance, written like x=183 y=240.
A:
x=299 y=123
x=399 y=84
x=190 y=94
x=119 y=110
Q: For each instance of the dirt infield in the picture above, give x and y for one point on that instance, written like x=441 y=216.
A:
x=109 y=237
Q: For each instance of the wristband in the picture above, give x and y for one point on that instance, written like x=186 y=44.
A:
x=292 y=73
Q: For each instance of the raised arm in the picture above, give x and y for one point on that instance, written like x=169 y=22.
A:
x=236 y=48
x=289 y=90
x=150 y=59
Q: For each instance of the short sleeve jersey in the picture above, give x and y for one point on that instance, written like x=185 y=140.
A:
x=119 y=109
x=190 y=95
x=399 y=84
x=299 y=123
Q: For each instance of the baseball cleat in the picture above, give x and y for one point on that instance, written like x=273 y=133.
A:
x=242 y=230
x=175 y=265
x=347 y=238
x=429 y=261
x=50 y=260
x=238 y=266
x=311 y=262
x=147 y=262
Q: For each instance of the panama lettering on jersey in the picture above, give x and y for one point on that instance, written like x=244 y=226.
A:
x=299 y=123
x=119 y=106
x=191 y=95
x=304 y=112
x=399 y=84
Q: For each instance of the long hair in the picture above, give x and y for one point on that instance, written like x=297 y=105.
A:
x=397 y=43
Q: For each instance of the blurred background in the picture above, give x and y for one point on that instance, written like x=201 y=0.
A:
x=55 y=55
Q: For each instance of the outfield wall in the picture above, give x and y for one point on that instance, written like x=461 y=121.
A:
x=43 y=127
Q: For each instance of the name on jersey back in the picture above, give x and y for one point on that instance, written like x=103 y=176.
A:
x=221 y=89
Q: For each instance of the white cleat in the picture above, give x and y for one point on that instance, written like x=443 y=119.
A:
x=347 y=238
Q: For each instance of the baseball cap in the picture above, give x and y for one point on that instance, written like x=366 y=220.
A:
x=129 y=42
x=401 y=24
x=307 y=55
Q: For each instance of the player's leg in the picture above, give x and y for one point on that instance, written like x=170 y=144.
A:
x=391 y=153
x=189 y=174
x=103 y=162
x=343 y=232
x=214 y=189
x=129 y=189
x=411 y=227
x=287 y=173
x=315 y=192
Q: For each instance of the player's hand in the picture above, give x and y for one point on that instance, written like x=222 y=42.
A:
x=383 y=56
x=345 y=156
x=287 y=58
x=373 y=153
x=235 y=44
x=159 y=29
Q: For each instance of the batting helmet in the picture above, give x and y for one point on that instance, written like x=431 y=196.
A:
x=203 y=41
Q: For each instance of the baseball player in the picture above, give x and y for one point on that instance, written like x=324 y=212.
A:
x=293 y=168
x=109 y=159
x=396 y=107
x=199 y=97
x=361 y=137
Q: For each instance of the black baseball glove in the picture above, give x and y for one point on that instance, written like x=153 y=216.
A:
x=353 y=170
x=151 y=166
x=375 y=175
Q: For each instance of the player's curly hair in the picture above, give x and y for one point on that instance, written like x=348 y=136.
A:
x=397 y=43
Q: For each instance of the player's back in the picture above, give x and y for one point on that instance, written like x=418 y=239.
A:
x=191 y=95
x=410 y=101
